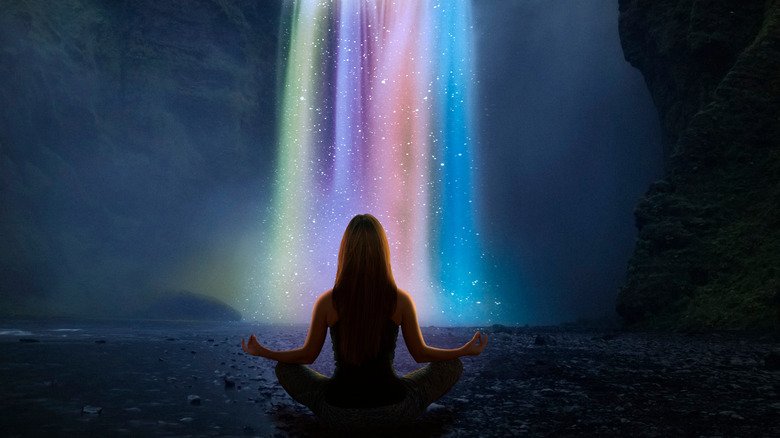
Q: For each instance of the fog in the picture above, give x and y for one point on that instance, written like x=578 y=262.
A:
x=138 y=142
x=569 y=141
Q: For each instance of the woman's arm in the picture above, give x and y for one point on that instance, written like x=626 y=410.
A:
x=419 y=350
x=311 y=347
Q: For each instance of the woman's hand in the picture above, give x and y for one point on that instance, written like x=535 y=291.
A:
x=253 y=347
x=476 y=344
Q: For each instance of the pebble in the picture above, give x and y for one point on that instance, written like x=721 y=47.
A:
x=92 y=410
x=229 y=383
x=637 y=383
x=731 y=414
x=434 y=407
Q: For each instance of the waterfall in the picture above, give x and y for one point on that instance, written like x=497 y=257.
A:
x=375 y=117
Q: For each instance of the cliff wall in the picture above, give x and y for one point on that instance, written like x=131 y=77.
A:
x=708 y=251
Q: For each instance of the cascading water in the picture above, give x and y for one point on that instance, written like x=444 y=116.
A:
x=375 y=117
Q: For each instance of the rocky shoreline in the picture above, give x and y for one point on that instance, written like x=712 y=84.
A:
x=191 y=380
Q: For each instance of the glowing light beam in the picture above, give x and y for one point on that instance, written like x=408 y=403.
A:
x=375 y=117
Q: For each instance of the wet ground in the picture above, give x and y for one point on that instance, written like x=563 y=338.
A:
x=187 y=379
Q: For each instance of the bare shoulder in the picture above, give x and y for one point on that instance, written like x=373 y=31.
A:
x=407 y=314
x=405 y=301
x=326 y=296
x=325 y=300
x=406 y=297
x=325 y=304
x=403 y=298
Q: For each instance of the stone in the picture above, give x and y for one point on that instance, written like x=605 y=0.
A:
x=731 y=414
x=91 y=410
x=434 y=407
x=194 y=400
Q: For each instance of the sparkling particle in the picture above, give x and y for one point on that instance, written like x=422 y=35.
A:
x=367 y=142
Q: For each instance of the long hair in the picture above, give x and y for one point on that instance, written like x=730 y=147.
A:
x=365 y=293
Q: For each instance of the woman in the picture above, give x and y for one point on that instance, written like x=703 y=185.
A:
x=364 y=311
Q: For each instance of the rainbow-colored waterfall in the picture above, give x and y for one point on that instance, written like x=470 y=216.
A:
x=376 y=118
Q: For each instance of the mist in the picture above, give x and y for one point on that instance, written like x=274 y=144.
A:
x=138 y=150
x=569 y=141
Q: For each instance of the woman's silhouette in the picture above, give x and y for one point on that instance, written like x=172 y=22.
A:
x=363 y=311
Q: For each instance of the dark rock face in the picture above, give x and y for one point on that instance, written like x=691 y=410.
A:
x=708 y=252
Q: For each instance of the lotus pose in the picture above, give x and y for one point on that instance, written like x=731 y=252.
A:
x=364 y=311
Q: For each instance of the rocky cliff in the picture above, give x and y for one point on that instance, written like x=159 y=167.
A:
x=708 y=251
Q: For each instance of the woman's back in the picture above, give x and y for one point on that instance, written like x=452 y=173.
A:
x=364 y=311
x=370 y=384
